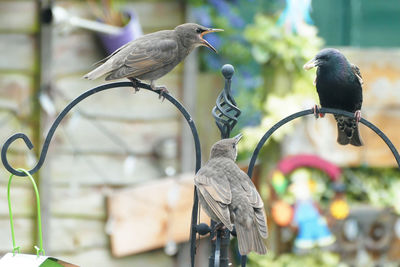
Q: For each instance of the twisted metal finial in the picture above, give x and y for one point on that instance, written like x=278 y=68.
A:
x=225 y=111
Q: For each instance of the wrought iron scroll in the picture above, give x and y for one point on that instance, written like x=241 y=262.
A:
x=72 y=104
x=309 y=112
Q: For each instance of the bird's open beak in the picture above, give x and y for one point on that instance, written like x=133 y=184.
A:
x=238 y=137
x=311 y=64
x=205 y=43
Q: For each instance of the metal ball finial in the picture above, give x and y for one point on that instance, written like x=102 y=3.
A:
x=227 y=70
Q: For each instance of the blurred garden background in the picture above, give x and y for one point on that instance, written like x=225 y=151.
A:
x=117 y=184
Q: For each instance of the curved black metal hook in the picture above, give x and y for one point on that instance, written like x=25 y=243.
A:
x=74 y=103
x=311 y=111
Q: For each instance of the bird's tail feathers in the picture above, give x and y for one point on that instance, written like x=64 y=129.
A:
x=342 y=138
x=356 y=139
x=348 y=132
x=250 y=239
x=97 y=72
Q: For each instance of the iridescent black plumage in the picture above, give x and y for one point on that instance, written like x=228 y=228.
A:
x=339 y=86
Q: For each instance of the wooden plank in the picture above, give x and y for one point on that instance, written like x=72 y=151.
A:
x=23 y=228
x=121 y=103
x=78 y=202
x=71 y=235
x=23 y=201
x=15 y=91
x=168 y=14
x=148 y=216
x=209 y=85
x=9 y=125
x=101 y=170
x=17 y=16
x=99 y=136
x=21 y=55
x=102 y=257
x=74 y=53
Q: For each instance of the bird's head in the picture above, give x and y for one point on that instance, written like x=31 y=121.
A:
x=192 y=35
x=326 y=57
x=226 y=148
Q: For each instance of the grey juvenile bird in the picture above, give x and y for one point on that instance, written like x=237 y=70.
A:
x=339 y=86
x=228 y=196
x=152 y=55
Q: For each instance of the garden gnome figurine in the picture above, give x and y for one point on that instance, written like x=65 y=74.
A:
x=312 y=227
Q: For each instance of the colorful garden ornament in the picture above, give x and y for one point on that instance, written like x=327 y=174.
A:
x=282 y=213
x=339 y=209
x=279 y=182
x=312 y=227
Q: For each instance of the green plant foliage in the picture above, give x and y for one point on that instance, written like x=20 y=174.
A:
x=109 y=11
x=377 y=186
x=274 y=45
x=286 y=87
x=316 y=258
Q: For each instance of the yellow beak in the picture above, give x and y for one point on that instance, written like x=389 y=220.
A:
x=311 y=64
x=205 y=43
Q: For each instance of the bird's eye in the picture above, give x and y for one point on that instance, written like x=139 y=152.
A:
x=198 y=30
x=233 y=145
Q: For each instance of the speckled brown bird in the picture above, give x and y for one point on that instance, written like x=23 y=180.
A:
x=228 y=196
x=152 y=55
x=339 y=86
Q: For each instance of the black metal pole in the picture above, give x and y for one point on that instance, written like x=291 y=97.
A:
x=225 y=114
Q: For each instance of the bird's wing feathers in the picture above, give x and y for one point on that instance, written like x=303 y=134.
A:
x=256 y=202
x=357 y=72
x=109 y=56
x=251 y=191
x=142 y=57
x=217 y=194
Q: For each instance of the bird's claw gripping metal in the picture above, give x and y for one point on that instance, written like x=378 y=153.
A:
x=163 y=90
x=218 y=226
x=135 y=84
x=317 y=112
x=357 y=115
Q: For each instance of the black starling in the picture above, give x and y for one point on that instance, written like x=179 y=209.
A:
x=339 y=86
x=152 y=55
x=229 y=197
